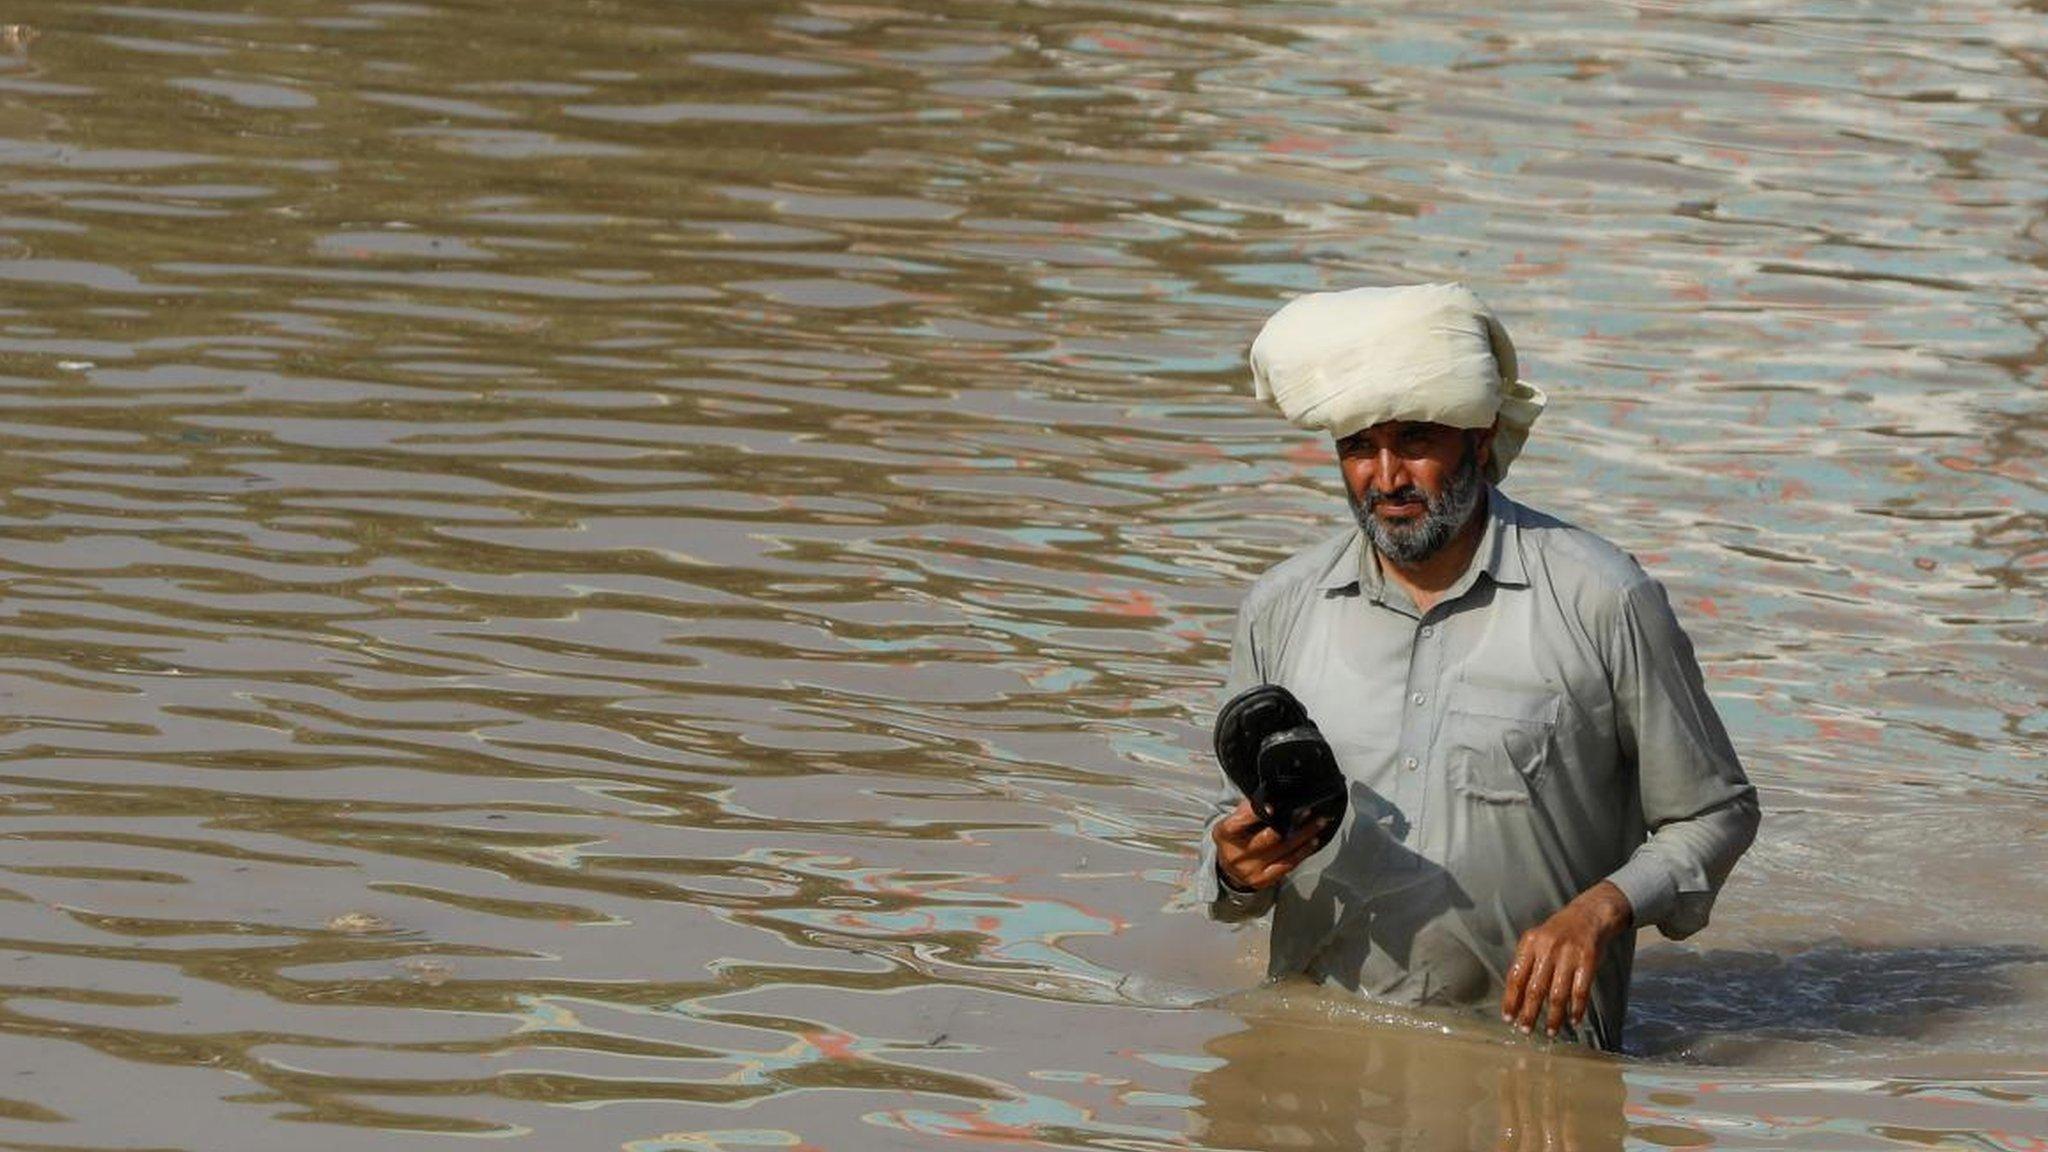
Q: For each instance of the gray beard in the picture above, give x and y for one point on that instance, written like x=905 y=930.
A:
x=1418 y=540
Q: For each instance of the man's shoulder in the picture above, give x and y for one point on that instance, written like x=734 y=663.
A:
x=1577 y=560
x=1311 y=567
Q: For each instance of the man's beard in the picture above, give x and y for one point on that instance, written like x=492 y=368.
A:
x=1412 y=542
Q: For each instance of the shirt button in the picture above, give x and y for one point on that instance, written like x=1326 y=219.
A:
x=1428 y=630
x=1409 y=763
x=1418 y=698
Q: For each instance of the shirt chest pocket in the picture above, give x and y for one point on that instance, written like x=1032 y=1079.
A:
x=1498 y=741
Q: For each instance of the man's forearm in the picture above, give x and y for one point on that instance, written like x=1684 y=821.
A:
x=1609 y=908
x=1671 y=880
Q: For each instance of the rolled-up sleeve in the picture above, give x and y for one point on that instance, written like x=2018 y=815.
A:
x=1698 y=807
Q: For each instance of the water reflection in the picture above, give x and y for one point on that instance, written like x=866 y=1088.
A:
x=617 y=573
x=1301 y=1079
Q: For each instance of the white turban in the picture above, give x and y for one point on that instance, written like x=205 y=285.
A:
x=1345 y=361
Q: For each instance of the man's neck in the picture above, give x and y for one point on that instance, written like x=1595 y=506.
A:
x=1428 y=579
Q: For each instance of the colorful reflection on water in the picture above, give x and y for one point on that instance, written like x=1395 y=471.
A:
x=654 y=576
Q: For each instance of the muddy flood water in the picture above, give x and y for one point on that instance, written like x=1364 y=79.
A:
x=603 y=574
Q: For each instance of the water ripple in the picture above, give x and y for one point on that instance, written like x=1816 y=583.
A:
x=655 y=577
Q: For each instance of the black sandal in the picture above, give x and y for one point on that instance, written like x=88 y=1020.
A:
x=1274 y=754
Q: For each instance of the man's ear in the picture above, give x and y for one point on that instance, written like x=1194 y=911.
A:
x=1482 y=442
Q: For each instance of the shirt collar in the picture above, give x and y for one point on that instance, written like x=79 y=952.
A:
x=1500 y=550
x=1499 y=555
x=1345 y=571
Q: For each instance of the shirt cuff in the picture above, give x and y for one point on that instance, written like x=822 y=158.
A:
x=1239 y=903
x=1651 y=889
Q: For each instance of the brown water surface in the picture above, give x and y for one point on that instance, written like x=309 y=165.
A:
x=653 y=575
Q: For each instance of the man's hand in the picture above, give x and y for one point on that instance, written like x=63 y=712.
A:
x=1252 y=855
x=1555 y=961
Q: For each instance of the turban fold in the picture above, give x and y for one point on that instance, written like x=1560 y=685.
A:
x=1344 y=361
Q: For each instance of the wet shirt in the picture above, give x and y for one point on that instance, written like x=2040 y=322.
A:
x=1541 y=728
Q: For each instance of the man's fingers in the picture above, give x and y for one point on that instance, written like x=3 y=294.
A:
x=1560 y=996
x=1278 y=869
x=1268 y=861
x=1238 y=825
x=1262 y=858
x=1282 y=866
x=1264 y=842
x=1290 y=846
x=1310 y=844
x=1306 y=834
x=1533 y=991
x=1271 y=844
x=1582 y=993
x=1293 y=859
x=1271 y=874
x=1518 y=979
x=1246 y=835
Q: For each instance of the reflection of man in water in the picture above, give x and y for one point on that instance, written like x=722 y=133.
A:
x=1291 y=1080
x=1535 y=767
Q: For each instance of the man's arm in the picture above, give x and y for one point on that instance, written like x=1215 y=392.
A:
x=1699 y=808
x=1222 y=901
x=1243 y=862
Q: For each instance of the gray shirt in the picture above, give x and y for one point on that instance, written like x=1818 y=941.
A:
x=1543 y=727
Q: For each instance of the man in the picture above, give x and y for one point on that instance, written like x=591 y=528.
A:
x=1534 y=766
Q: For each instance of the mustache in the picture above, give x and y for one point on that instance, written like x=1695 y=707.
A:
x=1374 y=497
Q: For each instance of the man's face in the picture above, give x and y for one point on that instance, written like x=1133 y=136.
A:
x=1412 y=485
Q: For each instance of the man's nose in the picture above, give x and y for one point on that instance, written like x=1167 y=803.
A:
x=1389 y=471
